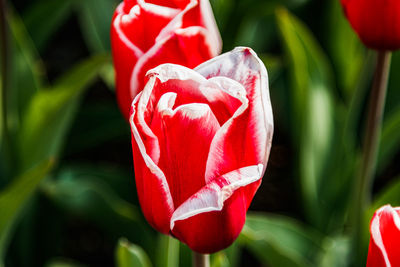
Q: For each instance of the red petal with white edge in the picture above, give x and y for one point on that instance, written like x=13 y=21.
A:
x=246 y=138
x=384 y=248
x=188 y=47
x=223 y=95
x=125 y=55
x=196 y=13
x=182 y=159
x=151 y=183
x=220 y=207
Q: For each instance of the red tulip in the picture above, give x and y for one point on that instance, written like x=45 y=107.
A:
x=145 y=34
x=377 y=22
x=201 y=140
x=384 y=246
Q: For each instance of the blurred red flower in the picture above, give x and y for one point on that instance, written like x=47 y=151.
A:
x=377 y=22
x=201 y=140
x=384 y=246
x=145 y=34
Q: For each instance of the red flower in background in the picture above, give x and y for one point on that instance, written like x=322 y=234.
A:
x=201 y=140
x=377 y=22
x=145 y=34
x=384 y=245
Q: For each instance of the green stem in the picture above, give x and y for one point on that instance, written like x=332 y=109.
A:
x=200 y=260
x=363 y=186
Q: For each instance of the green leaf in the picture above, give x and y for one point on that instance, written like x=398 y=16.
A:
x=95 y=20
x=15 y=195
x=86 y=193
x=390 y=140
x=167 y=251
x=63 y=263
x=101 y=195
x=27 y=72
x=336 y=252
x=128 y=255
x=280 y=241
x=55 y=14
x=348 y=57
x=312 y=109
x=51 y=111
x=219 y=259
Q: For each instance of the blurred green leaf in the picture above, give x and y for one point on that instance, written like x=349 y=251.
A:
x=393 y=96
x=390 y=140
x=336 y=252
x=94 y=194
x=95 y=20
x=89 y=195
x=280 y=241
x=167 y=251
x=15 y=195
x=219 y=259
x=27 y=49
x=63 y=263
x=108 y=75
x=51 y=111
x=348 y=56
x=128 y=255
x=27 y=72
x=312 y=109
x=55 y=14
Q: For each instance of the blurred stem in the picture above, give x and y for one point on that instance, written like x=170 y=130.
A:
x=371 y=142
x=200 y=260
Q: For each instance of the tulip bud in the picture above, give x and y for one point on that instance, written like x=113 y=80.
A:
x=384 y=246
x=377 y=22
x=201 y=140
x=145 y=34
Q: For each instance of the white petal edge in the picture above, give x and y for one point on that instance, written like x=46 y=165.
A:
x=226 y=63
x=376 y=232
x=156 y=47
x=157 y=9
x=212 y=196
x=208 y=19
x=141 y=100
x=116 y=23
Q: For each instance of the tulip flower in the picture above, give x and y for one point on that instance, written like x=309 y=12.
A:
x=377 y=22
x=384 y=246
x=145 y=34
x=201 y=140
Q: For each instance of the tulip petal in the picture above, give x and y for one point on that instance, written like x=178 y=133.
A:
x=246 y=138
x=125 y=55
x=151 y=183
x=223 y=95
x=221 y=204
x=182 y=160
x=384 y=247
x=192 y=45
x=196 y=13
x=376 y=22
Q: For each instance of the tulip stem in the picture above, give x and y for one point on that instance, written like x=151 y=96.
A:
x=200 y=260
x=363 y=185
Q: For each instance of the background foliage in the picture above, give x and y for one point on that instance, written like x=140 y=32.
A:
x=67 y=193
